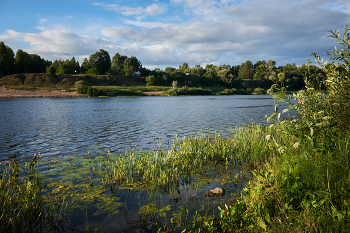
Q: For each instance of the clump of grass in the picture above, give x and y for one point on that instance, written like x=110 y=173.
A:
x=159 y=168
x=23 y=206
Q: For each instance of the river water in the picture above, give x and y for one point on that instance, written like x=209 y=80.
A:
x=58 y=127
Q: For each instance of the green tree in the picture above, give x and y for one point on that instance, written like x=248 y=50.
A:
x=131 y=65
x=169 y=69
x=183 y=67
x=51 y=70
x=117 y=66
x=223 y=74
x=246 y=71
x=101 y=61
x=260 y=72
x=22 y=62
x=7 y=59
x=151 y=80
x=85 y=66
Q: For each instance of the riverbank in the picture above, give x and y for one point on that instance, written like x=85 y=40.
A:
x=40 y=93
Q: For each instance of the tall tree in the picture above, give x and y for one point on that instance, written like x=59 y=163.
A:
x=246 y=71
x=7 y=59
x=101 y=61
x=131 y=65
x=259 y=72
x=22 y=59
x=117 y=65
x=85 y=66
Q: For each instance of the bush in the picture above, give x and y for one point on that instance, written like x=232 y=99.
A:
x=93 y=71
x=81 y=87
x=51 y=70
x=189 y=91
x=150 y=80
x=259 y=91
x=231 y=91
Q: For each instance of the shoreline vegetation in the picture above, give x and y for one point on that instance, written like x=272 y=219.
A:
x=33 y=85
x=300 y=180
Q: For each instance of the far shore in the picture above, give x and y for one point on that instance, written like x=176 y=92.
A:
x=40 y=93
x=13 y=93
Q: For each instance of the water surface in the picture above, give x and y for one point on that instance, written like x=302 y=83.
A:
x=59 y=127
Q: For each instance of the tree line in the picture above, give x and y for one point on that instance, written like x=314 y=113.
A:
x=100 y=63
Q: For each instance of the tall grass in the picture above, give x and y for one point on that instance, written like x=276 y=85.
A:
x=23 y=205
x=301 y=182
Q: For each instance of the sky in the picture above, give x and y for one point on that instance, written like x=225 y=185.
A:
x=167 y=33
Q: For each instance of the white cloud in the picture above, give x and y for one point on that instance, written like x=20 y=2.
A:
x=218 y=32
x=153 y=9
x=142 y=24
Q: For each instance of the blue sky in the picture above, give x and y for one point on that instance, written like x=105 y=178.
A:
x=168 y=33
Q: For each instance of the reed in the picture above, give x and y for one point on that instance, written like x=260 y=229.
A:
x=23 y=205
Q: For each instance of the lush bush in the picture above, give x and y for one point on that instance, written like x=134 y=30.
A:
x=51 y=70
x=93 y=71
x=259 y=91
x=150 y=80
x=231 y=91
x=81 y=87
x=189 y=91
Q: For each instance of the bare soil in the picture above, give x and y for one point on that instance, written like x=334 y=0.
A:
x=13 y=93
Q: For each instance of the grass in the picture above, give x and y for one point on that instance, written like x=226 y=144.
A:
x=296 y=187
x=23 y=208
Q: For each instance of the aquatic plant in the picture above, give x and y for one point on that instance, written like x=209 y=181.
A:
x=24 y=205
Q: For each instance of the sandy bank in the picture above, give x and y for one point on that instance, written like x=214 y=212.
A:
x=12 y=93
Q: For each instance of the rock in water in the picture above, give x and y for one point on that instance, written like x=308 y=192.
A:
x=217 y=192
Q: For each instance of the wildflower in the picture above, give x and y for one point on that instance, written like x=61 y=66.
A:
x=281 y=150
x=267 y=137
x=285 y=110
x=271 y=126
x=296 y=145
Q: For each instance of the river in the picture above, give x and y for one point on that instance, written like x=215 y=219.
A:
x=58 y=127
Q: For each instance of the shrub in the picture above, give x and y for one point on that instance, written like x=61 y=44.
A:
x=259 y=91
x=51 y=70
x=189 y=91
x=93 y=71
x=150 y=80
x=231 y=91
x=81 y=87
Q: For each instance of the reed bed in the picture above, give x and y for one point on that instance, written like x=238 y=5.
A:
x=23 y=206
